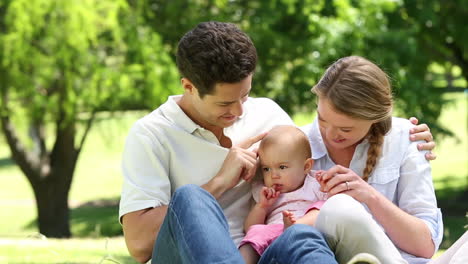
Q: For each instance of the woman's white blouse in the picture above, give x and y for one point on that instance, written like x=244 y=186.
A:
x=402 y=174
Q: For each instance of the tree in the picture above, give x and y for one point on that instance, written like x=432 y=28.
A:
x=60 y=63
x=298 y=39
x=441 y=29
x=422 y=35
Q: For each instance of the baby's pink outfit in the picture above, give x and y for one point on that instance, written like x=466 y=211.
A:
x=298 y=202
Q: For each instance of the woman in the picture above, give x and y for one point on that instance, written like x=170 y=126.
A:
x=369 y=157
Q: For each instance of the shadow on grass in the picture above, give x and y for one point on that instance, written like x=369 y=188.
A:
x=94 y=219
x=5 y=162
x=453 y=202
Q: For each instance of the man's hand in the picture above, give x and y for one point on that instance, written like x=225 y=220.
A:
x=423 y=132
x=240 y=163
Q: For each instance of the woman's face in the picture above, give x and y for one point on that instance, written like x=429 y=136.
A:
x=340 y=131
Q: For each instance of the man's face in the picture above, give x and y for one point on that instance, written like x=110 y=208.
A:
x=224 y=106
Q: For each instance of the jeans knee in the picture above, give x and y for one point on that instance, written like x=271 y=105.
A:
x=187 y=192
x=191 y=198
x=298 y=232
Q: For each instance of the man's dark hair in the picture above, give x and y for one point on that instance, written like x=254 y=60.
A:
x=215 y=52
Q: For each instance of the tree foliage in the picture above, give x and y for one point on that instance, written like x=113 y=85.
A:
x=61 y=62
x=297 y=39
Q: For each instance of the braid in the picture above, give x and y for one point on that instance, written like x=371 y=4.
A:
x=376 y=139
x=373 y=153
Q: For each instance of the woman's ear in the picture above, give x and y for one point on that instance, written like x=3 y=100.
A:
x=308 y=164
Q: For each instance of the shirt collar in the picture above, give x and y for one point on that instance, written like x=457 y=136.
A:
x=172 y=111
x=316 y=141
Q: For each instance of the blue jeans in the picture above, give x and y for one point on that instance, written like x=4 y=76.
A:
x=195 y=230
x=299 y=244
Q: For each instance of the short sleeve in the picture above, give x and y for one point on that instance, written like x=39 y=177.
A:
x=145 y=168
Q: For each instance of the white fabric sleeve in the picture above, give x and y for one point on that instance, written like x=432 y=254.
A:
x=145 y=164
x=416 y=191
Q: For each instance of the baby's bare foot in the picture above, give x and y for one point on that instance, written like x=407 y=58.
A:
x=288 y=219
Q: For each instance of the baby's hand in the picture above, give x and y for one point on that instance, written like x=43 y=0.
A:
x=268 y=196
x=319 y=176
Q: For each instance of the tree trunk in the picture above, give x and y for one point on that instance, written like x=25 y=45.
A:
x=49 y=175
x=52 y=190
x=52 y=207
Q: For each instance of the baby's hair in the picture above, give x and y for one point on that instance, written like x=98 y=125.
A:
x=358 y=88
x=288 y=134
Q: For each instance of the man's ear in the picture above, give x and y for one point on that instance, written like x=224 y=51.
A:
x=188 y=86
x=308 y=164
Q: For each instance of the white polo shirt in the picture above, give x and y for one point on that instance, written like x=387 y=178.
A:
x=166 y=149
x=402 y=174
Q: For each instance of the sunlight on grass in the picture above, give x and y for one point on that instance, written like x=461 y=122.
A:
x=43 y=250
x=452 y=153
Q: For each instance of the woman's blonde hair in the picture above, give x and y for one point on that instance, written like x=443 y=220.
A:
x=358 y=88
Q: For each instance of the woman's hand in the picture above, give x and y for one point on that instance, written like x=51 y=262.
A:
x=339 y=179
x=423 y=132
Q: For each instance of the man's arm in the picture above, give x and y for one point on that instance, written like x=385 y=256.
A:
x=141 y=229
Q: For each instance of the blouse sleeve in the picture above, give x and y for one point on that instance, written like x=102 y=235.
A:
x=416 y=194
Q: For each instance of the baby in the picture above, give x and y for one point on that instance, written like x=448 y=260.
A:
x=289 y=192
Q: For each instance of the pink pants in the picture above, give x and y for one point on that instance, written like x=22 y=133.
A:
x=261 y=236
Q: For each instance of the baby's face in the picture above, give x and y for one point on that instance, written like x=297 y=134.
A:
x=282 y=168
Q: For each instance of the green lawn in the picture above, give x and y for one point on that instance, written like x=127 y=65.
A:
x=37 y=250
x=96 y=188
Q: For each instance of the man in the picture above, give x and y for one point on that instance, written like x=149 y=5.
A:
x=202 y=140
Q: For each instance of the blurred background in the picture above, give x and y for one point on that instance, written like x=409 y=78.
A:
x=75 y=75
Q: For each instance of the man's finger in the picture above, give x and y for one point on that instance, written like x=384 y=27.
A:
x=250 y=141
x=413 y=120
x=426 y=136
x=426 y=146
x=419 y=128
x=430 y=156
x=250 y=174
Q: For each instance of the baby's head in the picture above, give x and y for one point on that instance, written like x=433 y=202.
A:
x=285 y=158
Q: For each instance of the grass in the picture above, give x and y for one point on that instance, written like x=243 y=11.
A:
x=96 y=187
x=43 y=250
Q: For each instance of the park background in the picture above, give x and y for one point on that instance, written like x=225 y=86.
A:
x=75 y=75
